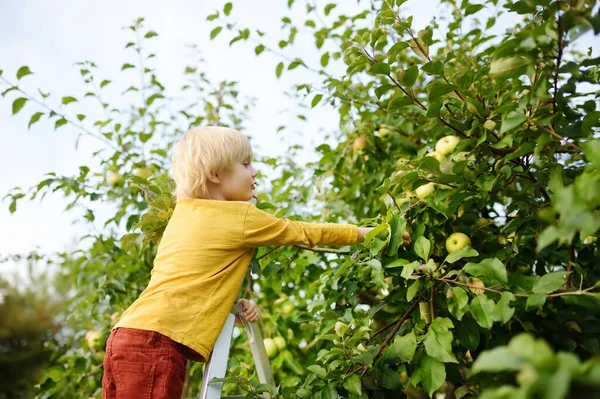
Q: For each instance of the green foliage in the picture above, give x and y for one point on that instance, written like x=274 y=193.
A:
x=523 y=183
x=26 y=323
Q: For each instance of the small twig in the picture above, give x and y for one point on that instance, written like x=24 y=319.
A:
x=292 y=258
x=391 y=335
x=432 y=302
x=394 y=201
x=267 y=253
x=570 y=266
x=558 y=59
x=561 y=138
x=565 y=293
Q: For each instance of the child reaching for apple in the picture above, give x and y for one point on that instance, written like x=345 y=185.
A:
x=200 y=266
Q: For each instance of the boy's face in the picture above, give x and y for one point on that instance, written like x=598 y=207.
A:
x=239 y=182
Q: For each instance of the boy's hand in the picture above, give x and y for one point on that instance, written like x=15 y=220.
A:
x=250 y=312
x=362 y=231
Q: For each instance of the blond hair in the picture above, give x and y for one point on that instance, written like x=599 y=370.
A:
x=204 y=149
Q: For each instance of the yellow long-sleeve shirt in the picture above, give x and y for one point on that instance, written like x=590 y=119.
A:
x=201 y=263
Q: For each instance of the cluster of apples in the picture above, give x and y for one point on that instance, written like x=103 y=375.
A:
x=444 y=147
x=361 y=143
x=274 y=345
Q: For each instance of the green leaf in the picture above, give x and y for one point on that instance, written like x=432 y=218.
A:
x=279 y=69
x=466 y=252
x=432 y=374
x=410 y=76
x=504 y=312
x=215 y=32
x=489 y=268
x=150 y=34
x=329 y=7
x=482 y=309
x=433 y=68
x=127 y=66
x=473 y=8
x=398 y=227
x=408 y=269
x=259 y=49
x=496 y=360
x=457 y=300
x=23 y=71
x=18 y=104
x=435 y=90
x=550 y=282
x=399 y=102
x=34 y=118
x=513 y=120
x=535 y=301
x=60 y=122
x=422 y=248
x=380 y=68
x=438 y=340
x=316 y=100
x=413 y=290
x=212 y=17
x=592 y=152
x=381 y=90
x=396 y=49
x=153 y=97
x=405 y=346
x=508 y=67
x=318 y=370
x=67 y=100
x=353 y=385
x=468 y=333
x=325 y=59
x=227 y=8
x=104 y=83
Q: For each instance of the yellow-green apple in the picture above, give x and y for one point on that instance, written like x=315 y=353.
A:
x=115 y=179
x=385 y=133
x=457 y=241
x=94 y=339
x=425 y=190
x=144 y=172
x=440 y=157
x=446 y=145
x=270 y=346
x=359 y=145
x=280 y=343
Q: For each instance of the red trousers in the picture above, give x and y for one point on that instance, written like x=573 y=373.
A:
x=144 y=365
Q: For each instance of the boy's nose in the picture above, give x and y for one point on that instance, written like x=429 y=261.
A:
x=254 y=172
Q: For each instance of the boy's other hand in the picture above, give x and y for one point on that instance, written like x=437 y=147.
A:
x=249 y=309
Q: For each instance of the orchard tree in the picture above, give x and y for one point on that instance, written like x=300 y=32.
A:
x=485 y=148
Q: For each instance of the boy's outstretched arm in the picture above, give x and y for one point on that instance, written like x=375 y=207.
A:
x=261 y=228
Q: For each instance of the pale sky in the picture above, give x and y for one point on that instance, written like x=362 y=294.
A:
x=49 y=36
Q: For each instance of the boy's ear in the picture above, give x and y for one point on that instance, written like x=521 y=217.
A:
x=213 y=176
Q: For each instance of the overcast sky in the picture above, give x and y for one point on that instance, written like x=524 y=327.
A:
x=49 y=36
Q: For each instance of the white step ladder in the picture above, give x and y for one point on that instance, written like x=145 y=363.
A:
x=216 y=366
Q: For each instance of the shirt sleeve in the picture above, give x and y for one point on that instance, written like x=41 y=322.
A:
x=262 y=228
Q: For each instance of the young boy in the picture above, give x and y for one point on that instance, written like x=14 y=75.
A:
x=200 y=266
